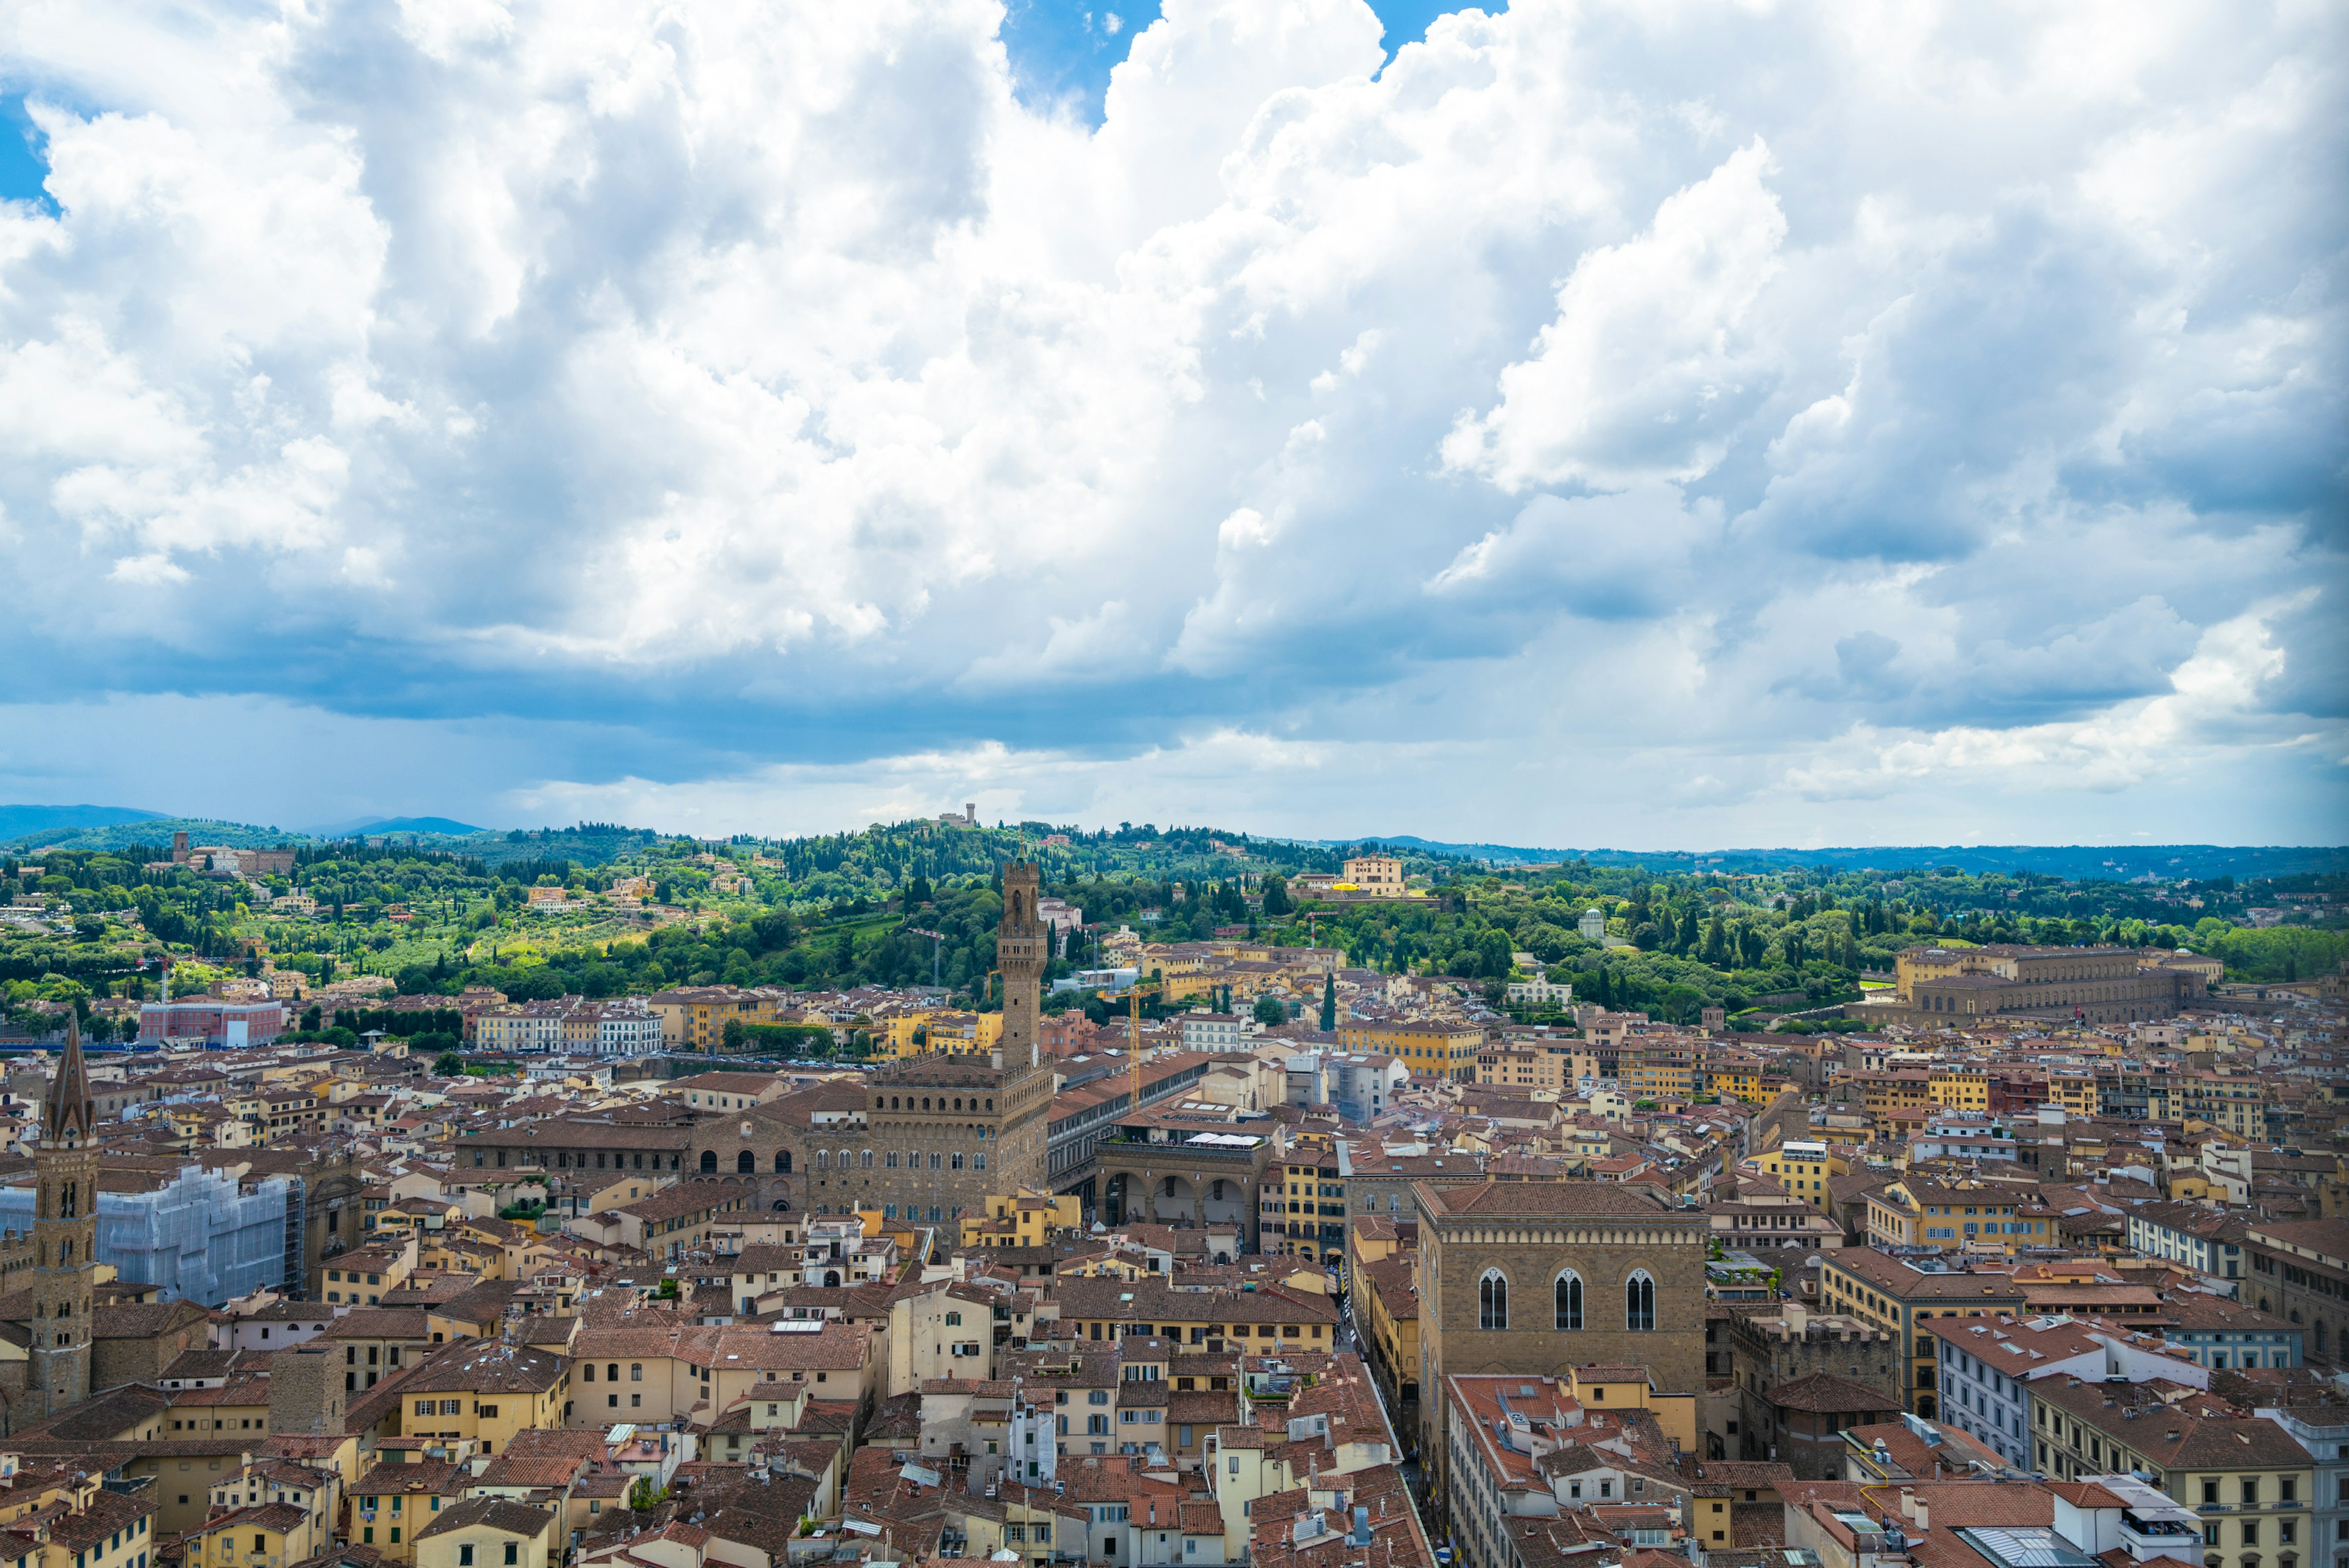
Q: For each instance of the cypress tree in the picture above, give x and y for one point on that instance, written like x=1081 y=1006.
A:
x=1328 y=1003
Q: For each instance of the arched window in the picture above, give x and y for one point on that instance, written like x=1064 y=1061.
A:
x=823 y=1160
x=1640 y=1302
x=709 y=1162
x=636 y=1372
x=1567 y=1292
x=847 y=1159
x=865 y=1159
x=746 y=1162
x=782 y=1162
x=612 y=1373
x=1493 y=1300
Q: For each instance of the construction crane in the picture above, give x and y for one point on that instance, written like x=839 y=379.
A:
x=1133 y=1036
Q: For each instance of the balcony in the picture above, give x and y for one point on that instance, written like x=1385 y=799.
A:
x=2155 y=1536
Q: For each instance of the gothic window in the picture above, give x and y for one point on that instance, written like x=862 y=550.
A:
x=823 y=1160
x=864 y=1160
x=1493 y=1300
x=892 y=1160
x=1569 y=1293
x=957 y=1161
x=934 y=1161
x=1640 y=1302
x=979 y=1162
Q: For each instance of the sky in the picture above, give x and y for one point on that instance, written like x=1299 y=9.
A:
x=1642 y=423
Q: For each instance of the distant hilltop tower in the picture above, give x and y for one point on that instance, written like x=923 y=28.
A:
x=1021 y=952
x=64 y=1282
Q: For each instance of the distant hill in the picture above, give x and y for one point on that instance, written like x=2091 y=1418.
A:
x=1500 y=853
x=147 y=827
x=20 y=821
x=445 y=826
x=2076 y=862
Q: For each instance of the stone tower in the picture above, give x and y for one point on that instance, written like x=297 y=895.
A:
x=1020 y=952
x=65 y=1239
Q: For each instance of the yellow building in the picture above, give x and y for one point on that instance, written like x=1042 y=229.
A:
x=1029 y=1218
x=2234 y=1101
x=2074 y=1089
x=694 y=1018
x=1804 y=1169
x=271 y=1535
x=1751 y=1081
x=486 y=1533
x=1437 y=1050
x=110 y=1531
x=1537 y=1069
x=1961 y=1088
x=1916 y=1212
x=484 y=1392
x=942 y=1030
x=1629 y=1388
x=2253 y=1484
x=1915 y=964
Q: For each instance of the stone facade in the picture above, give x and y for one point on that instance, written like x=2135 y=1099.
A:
x=64 y=1277
x=942 y=1132
x=1769 y=1350
x=1526 y=1237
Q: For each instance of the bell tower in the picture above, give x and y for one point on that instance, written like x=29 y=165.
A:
x=65 y=1238
x=1021 y=954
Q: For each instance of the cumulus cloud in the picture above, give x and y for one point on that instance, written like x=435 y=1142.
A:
x=1653 y=361
x=1786 y=404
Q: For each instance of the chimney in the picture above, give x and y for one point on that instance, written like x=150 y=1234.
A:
x=1797 y=1319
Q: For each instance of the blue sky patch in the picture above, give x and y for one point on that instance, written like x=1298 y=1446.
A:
x=1064 y=50
x=23 y=165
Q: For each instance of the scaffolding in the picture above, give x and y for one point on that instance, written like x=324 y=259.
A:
x=200 y=1237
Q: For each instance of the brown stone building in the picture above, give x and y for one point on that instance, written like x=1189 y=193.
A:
x=1526 y=1276
x=941 y=1132
x=2097 y=985
x=1807 y=1416
x=2299 y=1273
x=1771 y=1351
x=925 y=1138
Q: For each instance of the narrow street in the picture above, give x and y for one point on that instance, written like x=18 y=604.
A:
x=1414 y=1479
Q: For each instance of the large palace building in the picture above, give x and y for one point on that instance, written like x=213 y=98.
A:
x=2092 y=985
x=940 y=1131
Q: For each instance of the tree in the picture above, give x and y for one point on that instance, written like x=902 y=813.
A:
x=1270 y=1012
x=1328 y=1003
x=1276 y=897
x=449 y=1065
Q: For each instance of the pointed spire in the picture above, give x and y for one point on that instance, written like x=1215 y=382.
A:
x=69 y=1105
